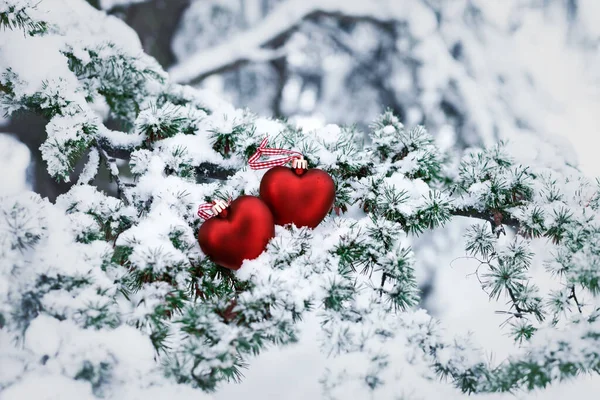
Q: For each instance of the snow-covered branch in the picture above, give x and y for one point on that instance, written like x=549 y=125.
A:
x=495 y=220
x=267 y=40
x=136 y=274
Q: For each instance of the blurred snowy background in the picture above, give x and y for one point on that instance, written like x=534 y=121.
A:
x=471 y=71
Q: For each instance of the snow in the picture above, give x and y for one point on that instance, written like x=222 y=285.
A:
x=48 y=387
x=573 y=94
x=43 y=336
x=152 y=235
x=458 y=298
x=78 y=15
x=15 y=156
x=287 y=372
x=422 y=20
x=198 y=148
x=416 y=190
x=121 y=139
x=91 y=167
x=108 y=4
x=27 y=64
x=589 y=10
x=248 y=45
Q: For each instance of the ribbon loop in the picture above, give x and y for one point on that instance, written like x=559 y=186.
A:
x=203 y=211
x=263 y=150
x=215 y=208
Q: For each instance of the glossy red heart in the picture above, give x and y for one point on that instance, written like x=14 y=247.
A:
x=301 y=197
x=240 y=232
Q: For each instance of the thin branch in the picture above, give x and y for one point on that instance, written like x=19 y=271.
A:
x=113 y=169
x=520 y=312
x=204 y=171
x=574 y=297
x=486 y=216
x=514 y=300
x=213 y=171
x=122 y=152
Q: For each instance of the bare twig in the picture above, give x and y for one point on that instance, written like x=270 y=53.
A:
x=513 y=298
x=207 y=170
x=113 y=169
x=574 y=297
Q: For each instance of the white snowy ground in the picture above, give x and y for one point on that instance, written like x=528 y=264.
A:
x=292 y=373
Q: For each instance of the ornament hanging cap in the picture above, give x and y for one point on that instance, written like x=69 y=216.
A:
x=300 y=163
x=215 y=208
x=293 y=156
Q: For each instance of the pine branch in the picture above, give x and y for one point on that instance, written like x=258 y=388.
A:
x=520 y=311
x=16 y=17
x=204 y=171
x=122 y=153
x=489 y=216
x=255 y=316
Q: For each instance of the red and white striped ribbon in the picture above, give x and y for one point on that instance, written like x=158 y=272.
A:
x=205 y=211
x=262 y=150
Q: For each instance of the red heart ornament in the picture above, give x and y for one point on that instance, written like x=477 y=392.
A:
x=240 y=232
x=301 y=197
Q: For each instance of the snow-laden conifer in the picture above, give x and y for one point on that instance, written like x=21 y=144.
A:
x=104 y=297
